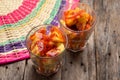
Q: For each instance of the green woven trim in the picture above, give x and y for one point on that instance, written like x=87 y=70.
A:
x=54 y=12
x=27 y=18
x=13 y=40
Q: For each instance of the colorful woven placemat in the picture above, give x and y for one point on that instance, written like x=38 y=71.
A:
x=17 y=18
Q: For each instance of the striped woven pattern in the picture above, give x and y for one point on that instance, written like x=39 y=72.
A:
x=17 y=18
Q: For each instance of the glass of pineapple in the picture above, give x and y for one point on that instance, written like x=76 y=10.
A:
x=78 y=22
x=46 y=44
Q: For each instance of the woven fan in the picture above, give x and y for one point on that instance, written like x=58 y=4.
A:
x=17 y=18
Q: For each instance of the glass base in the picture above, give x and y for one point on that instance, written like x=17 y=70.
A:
x=47 y=72
x=77 y=50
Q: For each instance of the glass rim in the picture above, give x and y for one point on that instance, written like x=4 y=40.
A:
x=43 y=26
x=93 y=24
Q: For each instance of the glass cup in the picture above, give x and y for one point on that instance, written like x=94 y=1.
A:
x=46 y=66
x=77 y=39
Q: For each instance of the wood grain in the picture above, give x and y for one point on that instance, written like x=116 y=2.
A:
x=80 y=66
x=107 y=39
x=14 y=71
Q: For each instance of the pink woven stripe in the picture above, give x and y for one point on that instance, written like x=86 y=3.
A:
x=72 y=0
x=1 y=22
x=13 y=57
x=20 y=13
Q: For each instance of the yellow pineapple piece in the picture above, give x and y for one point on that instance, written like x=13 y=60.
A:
x=35 y=50
x=70 y=22
x=56 y=35
x=77 y=10
x=61 y=47
x=83 y=18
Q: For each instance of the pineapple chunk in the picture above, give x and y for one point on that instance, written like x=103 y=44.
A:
x=61 y=47
x=56 y=35
x=70 y=22
x=35 y=50
x=84 y=18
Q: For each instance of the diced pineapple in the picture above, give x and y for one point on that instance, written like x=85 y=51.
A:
x=35 y=50
x=56 y=51
x=84 y=18
x=62 y=22
x=32 y=37
x=70 y=22
x=61 y=47
x=42 y=30
x=44 y=45
x=87 y=26
x=69 y=14
x=77 y=10
x=36 y=36
x=56 y=35
x=39 y=35
x=90 y=20
x=32 y=46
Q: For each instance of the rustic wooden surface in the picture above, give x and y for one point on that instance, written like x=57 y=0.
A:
x=99 y=61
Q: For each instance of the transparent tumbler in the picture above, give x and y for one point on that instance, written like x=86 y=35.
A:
x=46 y=66
x=77 y=39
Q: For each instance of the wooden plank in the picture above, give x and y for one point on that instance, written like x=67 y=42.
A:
x=14 y=71
x=81 y=66
x=31 y=74
x=106 y=38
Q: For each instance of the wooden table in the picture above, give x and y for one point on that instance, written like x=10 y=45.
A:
x=99 y=61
